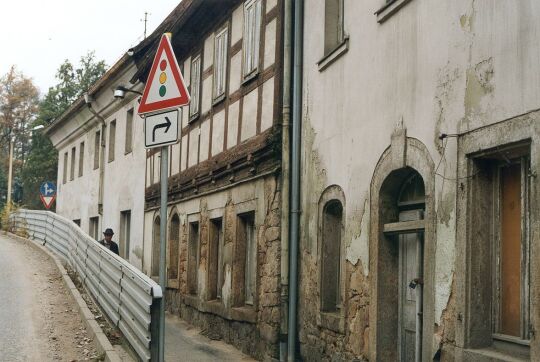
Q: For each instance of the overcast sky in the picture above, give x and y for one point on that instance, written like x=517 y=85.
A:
x=38 y=35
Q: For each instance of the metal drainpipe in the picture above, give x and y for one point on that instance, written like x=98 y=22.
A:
x=285 y=176
x=88 y=101
x=295 y=174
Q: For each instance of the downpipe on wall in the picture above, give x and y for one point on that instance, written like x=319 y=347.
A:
x=286 y=174
x=295 y=176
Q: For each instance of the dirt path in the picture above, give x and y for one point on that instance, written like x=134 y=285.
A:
x=39 y=320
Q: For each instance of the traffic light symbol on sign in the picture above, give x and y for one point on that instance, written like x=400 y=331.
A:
x=165 y=88
x=163 y=78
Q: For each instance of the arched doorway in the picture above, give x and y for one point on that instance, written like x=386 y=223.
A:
x=402 y=256
x=411 y=206
x=402 y=209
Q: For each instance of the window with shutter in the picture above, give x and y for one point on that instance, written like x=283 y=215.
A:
x=252 y=35
x=220 y=63
x=195 y=86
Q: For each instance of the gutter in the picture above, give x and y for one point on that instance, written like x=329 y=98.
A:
x=295 y=176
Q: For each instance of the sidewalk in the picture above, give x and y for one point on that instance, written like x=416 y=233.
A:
x=185 y=343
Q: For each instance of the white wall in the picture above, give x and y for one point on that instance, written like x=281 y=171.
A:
x=124 y=178
x=441 y=67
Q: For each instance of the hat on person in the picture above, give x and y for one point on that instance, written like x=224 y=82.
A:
x=108 y=231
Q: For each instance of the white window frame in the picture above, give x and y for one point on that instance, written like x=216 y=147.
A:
x=251 y=38
x=195 y=86
x=221 y=53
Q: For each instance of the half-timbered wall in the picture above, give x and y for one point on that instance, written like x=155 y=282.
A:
x=224 y=179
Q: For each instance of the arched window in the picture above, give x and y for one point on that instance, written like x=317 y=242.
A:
x=155 y=247
x=174 y=237
x=332 y=223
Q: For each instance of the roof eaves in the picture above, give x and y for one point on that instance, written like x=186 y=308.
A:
x=96 y=87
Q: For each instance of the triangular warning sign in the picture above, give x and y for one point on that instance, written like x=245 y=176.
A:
x=47 y=200
x=165 y=88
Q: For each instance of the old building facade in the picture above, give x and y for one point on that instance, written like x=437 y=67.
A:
x=223 y=248
x=419 y=233
x=101 y=164
x=419 y=226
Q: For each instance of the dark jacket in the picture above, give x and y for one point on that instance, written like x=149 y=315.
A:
x=112 y=247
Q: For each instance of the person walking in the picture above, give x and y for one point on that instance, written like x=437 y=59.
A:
x=108 y=242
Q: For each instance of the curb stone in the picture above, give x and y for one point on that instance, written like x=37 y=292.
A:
x=102 y=343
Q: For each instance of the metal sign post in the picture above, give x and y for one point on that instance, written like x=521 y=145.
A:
x=163 y=246
x=163 y=94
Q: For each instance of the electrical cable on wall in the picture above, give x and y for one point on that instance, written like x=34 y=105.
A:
x=444 y=137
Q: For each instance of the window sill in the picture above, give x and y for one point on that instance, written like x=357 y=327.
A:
x=493 y=354
x=333 y=321
x=248 y=78
x=192 y=300
x=218 y=100
x=389 y=9
x=334 y=55
x=194 y=117
x=244 y=314
x=240 y=314
x=172 y=284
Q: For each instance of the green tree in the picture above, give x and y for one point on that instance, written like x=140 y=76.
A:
x=42 y=161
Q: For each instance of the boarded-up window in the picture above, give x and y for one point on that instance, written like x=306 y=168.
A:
x=156 y=234
x=129 y=131
x=510 y=251
x=247 y=244
x=112 y=140
x=333 y=25
x=125 y=233
x=65 y=170
x=97 y=147
x=215 y=251
x=220 y=62
x=252 y=36
x=174 y=238
x=331 y=255
x=195 y=86
x=193 y=257
x=81 y=159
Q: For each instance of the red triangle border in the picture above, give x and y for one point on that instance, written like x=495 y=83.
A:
x=164 y=46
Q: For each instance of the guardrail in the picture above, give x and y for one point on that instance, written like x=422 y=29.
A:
x=130 y=299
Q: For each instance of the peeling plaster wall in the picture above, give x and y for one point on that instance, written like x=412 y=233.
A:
x=440 y=67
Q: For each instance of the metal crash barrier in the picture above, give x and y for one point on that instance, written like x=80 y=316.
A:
x=130 y=299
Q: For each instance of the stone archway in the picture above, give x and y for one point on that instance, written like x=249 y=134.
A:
x=404 y=157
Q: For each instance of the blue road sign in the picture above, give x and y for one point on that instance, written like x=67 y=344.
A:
x=48 y=189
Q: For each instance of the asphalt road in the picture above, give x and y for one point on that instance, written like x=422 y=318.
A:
x=18 y=335
x=38 y=318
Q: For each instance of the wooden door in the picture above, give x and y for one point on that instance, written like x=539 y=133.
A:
x=410 y=299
